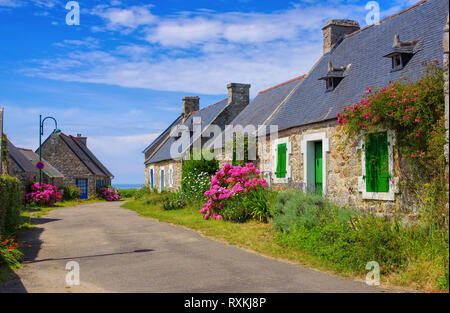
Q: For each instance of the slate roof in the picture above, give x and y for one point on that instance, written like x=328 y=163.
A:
x=207 y=115
x=33 y=158
x=160 y=139
x=266 y=103
x=365 y=50
x=19 y=158
x=85 y=155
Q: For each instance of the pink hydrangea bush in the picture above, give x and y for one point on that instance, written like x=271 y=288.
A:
x=227 y=183
x=43 y=195
x=109 y=194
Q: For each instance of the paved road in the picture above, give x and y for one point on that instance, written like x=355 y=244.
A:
x=118 y=251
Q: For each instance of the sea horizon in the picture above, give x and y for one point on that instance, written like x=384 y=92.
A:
x=128 y=186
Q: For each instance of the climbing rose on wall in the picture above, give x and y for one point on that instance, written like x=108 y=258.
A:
x=231 y=180
x=43 y=195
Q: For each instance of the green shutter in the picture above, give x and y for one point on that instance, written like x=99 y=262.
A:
x=318 y=166
x=281 y=161
x=377 y=163
x=383 y=163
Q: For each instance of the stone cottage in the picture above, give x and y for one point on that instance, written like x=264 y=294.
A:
x=310 y=151
x=19 y=166
x=71 y=156
x=50 y=175
x=163 y=166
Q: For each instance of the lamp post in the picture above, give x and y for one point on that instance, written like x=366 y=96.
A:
x=41 y=133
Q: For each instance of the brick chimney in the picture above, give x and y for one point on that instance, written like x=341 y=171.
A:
x=238 y=97
x=335 y=30
x=190 y=104
x=82 y=139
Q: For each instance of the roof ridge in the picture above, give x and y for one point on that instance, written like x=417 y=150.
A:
x=210 y=105
x=387 y=18
x=282 y=84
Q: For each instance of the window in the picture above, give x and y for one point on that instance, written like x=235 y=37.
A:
x=170 y=175
x=400 y=60
x=152 y=185
x=281 y=160
x=377 y=163
x=100 y=183
x=333 y=82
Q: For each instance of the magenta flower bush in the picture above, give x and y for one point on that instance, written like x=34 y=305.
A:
x=230 y=181
x=43 y=195
x=108 y=194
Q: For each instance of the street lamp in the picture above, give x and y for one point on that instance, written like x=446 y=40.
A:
x=41 y=133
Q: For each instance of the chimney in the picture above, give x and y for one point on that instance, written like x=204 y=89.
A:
x=238 y=97
x=82 y=139
x=335 y=30
x=190 y=104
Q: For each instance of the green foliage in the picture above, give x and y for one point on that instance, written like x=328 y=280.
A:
x=141 y=193
x=10 y=204
x=242 y=207
x=127 y=193
x=174 y=201
x=347 y=240
x=196 y=177
x=4 y=146
x=71 y=193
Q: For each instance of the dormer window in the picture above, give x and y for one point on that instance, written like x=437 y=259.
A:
x=397 y=62
x=334 y=76
x=332 y=83
x=402 y=52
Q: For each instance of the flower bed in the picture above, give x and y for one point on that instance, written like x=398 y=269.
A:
x=108 y=194
x=228 y=184
x=43 y=195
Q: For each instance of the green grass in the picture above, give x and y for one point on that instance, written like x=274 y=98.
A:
x=421 y=271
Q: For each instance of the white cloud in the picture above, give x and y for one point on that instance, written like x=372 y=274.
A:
x=129 y=18
x=10 y=3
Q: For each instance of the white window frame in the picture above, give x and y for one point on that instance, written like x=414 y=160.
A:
x=393 y=181
x=275 y=144
x=306 y=142
x=170 y=175
x=150 y=177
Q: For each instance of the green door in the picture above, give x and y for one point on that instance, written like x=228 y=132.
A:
x=318 y=166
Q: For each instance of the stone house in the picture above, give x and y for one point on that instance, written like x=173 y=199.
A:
x=163 y=165
x=19 y=166
x=310 y=151
x=50 y=175
x=71 y=156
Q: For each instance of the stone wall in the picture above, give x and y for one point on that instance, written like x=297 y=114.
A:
x=177 y=173
x=55 y=151
x=343 y=170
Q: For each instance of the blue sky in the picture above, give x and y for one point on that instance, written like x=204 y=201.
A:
x=119 y=76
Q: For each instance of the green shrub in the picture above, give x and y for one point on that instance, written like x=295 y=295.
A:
x=71 y=193
x=235 y=211
x=141 y=193
x=127 y=193
x=10 y=204
x=174 y=201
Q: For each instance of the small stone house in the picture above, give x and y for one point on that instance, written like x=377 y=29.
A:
x=162 y=166
x=50 y=175
x=71 y=157
x=19 y=166
x=310 y=151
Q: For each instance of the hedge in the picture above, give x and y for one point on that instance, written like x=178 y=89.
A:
x=10 y=203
